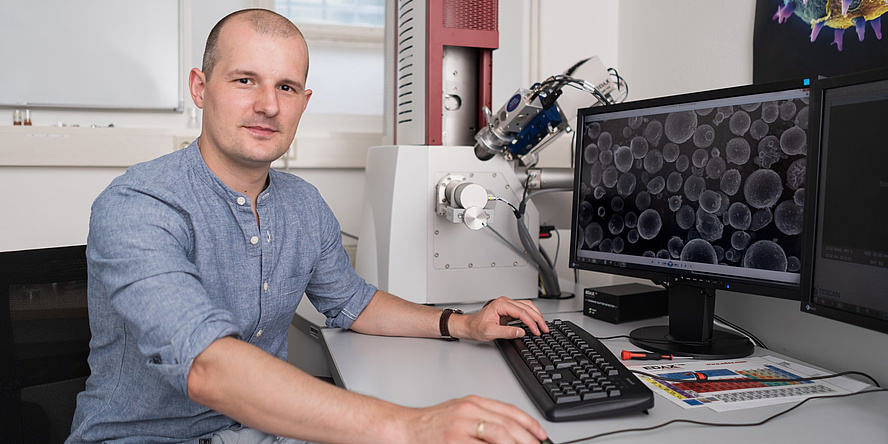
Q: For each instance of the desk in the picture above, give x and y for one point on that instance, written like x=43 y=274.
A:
x=422 y=372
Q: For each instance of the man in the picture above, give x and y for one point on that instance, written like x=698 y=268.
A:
x=198 y=259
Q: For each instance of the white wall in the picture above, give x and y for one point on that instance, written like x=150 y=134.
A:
x=682 y=46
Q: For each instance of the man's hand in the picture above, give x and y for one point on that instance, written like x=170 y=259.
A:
x=489 y=323
x=470 y=420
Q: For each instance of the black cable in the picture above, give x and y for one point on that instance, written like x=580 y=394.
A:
x=758 y=342
x=352 y=236
x=768 y=380
x=717 y=424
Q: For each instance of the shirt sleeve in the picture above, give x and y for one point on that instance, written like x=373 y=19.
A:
x=139 y=250
x=335 y=289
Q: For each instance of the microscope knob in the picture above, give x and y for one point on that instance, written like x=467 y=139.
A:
x=475 y=218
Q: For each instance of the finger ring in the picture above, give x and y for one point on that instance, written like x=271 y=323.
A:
x=479 y=431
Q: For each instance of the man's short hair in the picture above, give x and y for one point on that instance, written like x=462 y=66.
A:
x=263 y=21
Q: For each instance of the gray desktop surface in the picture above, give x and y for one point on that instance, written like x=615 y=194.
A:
x=423 y=372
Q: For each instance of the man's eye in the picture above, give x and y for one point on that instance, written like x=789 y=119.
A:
x=287 y=88
x=243 y=81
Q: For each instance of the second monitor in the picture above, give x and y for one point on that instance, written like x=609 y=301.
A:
x=697 y=192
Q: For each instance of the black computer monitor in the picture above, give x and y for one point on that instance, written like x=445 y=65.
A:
x=845 y=277
x=44 y=342
x=697 y=192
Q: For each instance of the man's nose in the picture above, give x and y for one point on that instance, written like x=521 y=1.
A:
x=267 y=101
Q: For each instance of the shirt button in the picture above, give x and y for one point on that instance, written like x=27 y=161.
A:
x=241 y=200
x=265 y=286
x=254 y=240
x=259 y=333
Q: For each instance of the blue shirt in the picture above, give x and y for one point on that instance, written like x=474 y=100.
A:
x=177 y=260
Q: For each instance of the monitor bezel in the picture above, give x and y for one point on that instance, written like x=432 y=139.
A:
x=815 y=130
x=783 y=290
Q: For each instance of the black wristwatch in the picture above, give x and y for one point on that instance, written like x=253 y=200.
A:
x=442 y=323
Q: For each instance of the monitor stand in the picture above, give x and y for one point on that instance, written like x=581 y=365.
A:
x=691 y=330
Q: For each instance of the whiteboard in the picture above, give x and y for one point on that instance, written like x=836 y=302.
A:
x=117 y=54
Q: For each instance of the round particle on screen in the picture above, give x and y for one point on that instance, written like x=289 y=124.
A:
x=627 y=132
x=639 y=147
x=787 y=110
x=663 y=254
x=590 y=153
x=605 y=140
x=699 y=250
x=680 y=126
x=618 y=244
x=615 y=224
x=770 y=111
x=653 y=132
x=674 y=203
x=653 y=162
x=675 y=245
x=595 y=173
x=704 y=135
x=593 y=234
x=617 y=204
x=656 y=185
x=732 y=255
x=670 y=152
x=649 y=224
x=801 y=119
x=793 y=141
x=623 y=159
x=738 y=151
x=739 y=240
x=750 y=107
x=739 y=123
x=682 y=163
x=759 y=129
x=793 y=264
x=768 y=151
x=730 y=182
x=704 y=111
x=700 y=158
x=601 y=211
x=765 y=255
x=599 y=192
x=685 y=217
x=610 y=176
x=631 y=219
x=626 y=184
x=674 y=182
x=739 y=216
x=585 y=213
x=709 y=226
x=694 y=187
x=761 y=219
x=632 y=236
x=648 y=253
x=642 y=200
x=606 y=157
x=799 y=197
x=606 y=246
x=710 y=201
x=762 y=188
x=715 y=167
x=635 y=122
x=788 y=218
x=593 y=129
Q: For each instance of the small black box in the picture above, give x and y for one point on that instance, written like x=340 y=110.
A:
x=625 y=302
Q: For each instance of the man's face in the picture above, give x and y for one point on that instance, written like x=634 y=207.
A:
x=254 y=97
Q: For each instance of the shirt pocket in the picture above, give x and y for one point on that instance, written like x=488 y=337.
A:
x=292 y=289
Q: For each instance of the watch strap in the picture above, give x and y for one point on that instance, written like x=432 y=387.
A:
x=443 y=323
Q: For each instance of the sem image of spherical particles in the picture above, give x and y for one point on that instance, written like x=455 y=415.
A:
x=722 y=185
x=836 y=14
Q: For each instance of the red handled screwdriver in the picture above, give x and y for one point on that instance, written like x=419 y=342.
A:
x=626 y=355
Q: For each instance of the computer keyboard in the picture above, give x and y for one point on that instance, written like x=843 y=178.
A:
x=571 y=375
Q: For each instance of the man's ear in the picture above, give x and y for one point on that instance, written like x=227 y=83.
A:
x=197 y=82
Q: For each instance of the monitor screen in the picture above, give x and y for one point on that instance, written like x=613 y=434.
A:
x=697 y=192
x=846 y=275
